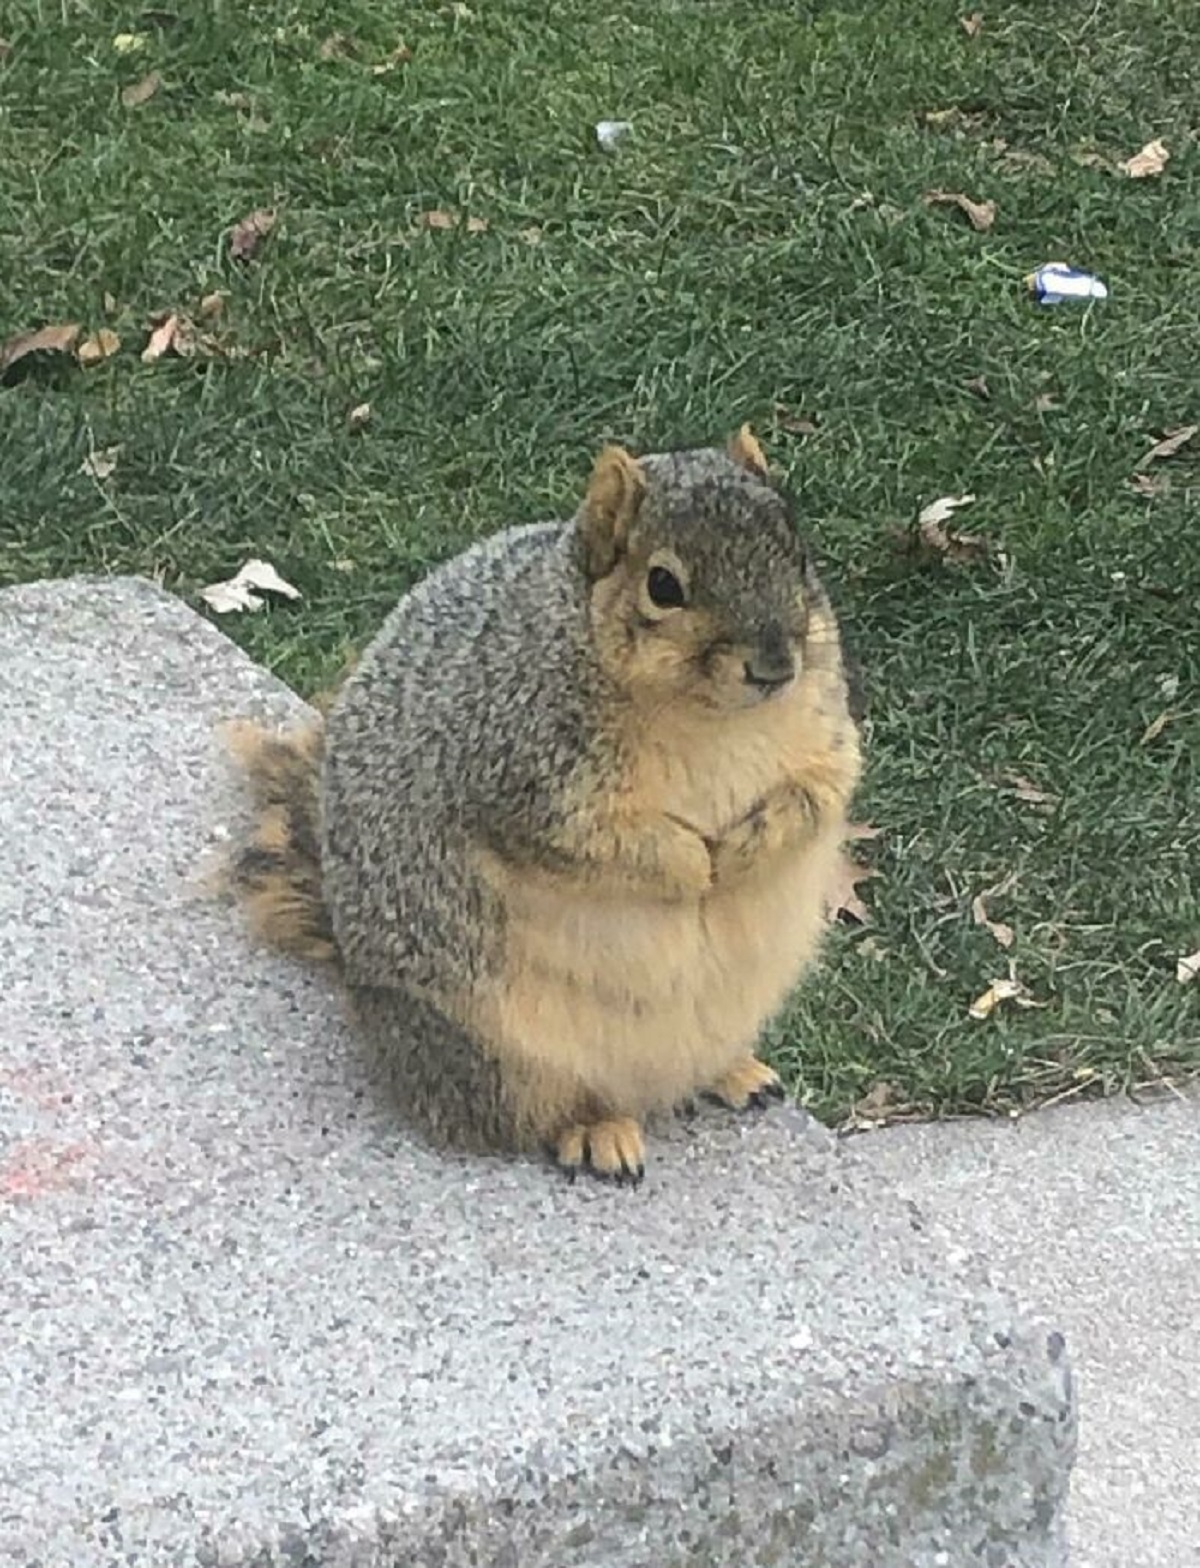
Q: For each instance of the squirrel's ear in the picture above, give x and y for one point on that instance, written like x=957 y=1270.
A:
x=614 y=494
x=744 y=449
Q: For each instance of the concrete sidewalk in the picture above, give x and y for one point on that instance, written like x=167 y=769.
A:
x=1093 y=1213
x=247 y=1321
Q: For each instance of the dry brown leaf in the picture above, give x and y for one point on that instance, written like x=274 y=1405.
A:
x=229 y=100
x=1188 y=968
x=400 y=55
x=245 y=237
x=1149 y=484
x=984 y=1006
x=1026 y=790
x=110 y=304
x=953 y=118
x=1002 y=932
x=46 y=340
x=99 y=465
x=978 y=385
x=1156 y=726
x=936 y=537
x=477 y=225
x=141 y=92
x=1020 y=158
x=213 y=304
x=1151 y=161
x=532 y=235
x=359 y=416
x=982 y=214
x=100 y=346
x=972 y=25
x=795 y=424
x=161 y=339
x=1168 y=446
x=439 y=218
x=242 y=591
x=338 y=46
x=871 y=1108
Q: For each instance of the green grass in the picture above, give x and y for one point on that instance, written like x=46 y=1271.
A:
x=760 y=240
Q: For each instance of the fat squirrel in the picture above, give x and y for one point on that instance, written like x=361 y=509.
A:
x=568 y=827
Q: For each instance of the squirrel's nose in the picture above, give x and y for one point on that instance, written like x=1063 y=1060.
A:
x=768 y=674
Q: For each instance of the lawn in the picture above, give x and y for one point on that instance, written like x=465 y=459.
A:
x=758 y=248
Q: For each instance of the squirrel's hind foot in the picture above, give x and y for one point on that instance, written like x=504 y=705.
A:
x=612 y=1149
x=748 y=1085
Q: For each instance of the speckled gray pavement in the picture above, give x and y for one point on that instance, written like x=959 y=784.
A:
x=246 y=1321
x=1092 y=1212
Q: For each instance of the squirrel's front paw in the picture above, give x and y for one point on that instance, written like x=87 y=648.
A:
x=685 y=860
x=612 y=1149
x=749 y=1084
x=781 y=820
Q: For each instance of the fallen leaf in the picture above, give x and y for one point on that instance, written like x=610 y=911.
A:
x=795 y=424
x=1152 y=160
x=1090 y=158
x=242 y=591
x=1169 y=686
x=999 y=991
x=46 y=340
x=141 y=92
x=1188 y=968
x=338 y=46
x=129 y=43
x=359 y=416
x=982 y=214
x=979 y=911
x=1149 y=484
x=532 y=236
x=213 y=304
x=952 y=118
x=100 y=346
x=477 y=225
x=345 y=563
x=230 y=100
x=460 y=11
x=99 y=465
x=1020 y=158
x=245 y=237
x=932 y=532
x=1026 y=790
x=872 y=1107
x=978 y=385
x=1156 y=726
x=972 y=25
x=440 y=219
x=400 y=55
x=161 y=340
x=1168 y=446
x=110 y=304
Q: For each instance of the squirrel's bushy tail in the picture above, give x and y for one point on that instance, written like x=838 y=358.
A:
x=276 y=871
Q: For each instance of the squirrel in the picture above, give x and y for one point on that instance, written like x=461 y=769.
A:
x=568 y=826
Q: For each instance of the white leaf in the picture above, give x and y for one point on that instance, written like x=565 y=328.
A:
x=941 y=510
x=610 y=132
x=1188 y=969
x=238 y=593
x=99 y=465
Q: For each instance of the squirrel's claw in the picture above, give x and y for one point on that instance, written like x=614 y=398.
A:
x=612 y=1150
x=748 y=1085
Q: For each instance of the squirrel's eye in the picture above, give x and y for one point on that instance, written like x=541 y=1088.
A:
x=665 y=589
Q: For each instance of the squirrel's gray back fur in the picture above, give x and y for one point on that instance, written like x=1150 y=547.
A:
x=479 y=692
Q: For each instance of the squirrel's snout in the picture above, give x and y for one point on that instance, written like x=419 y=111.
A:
x=769 y=674
x=771 y=664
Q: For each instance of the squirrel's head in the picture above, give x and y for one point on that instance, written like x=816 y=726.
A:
x=701 y=588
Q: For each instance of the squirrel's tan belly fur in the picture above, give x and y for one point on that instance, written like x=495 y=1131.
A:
x=643 y=1003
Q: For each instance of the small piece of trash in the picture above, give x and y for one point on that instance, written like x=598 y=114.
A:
x=242 y=591
x=1055 y=282
x=610 y=132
